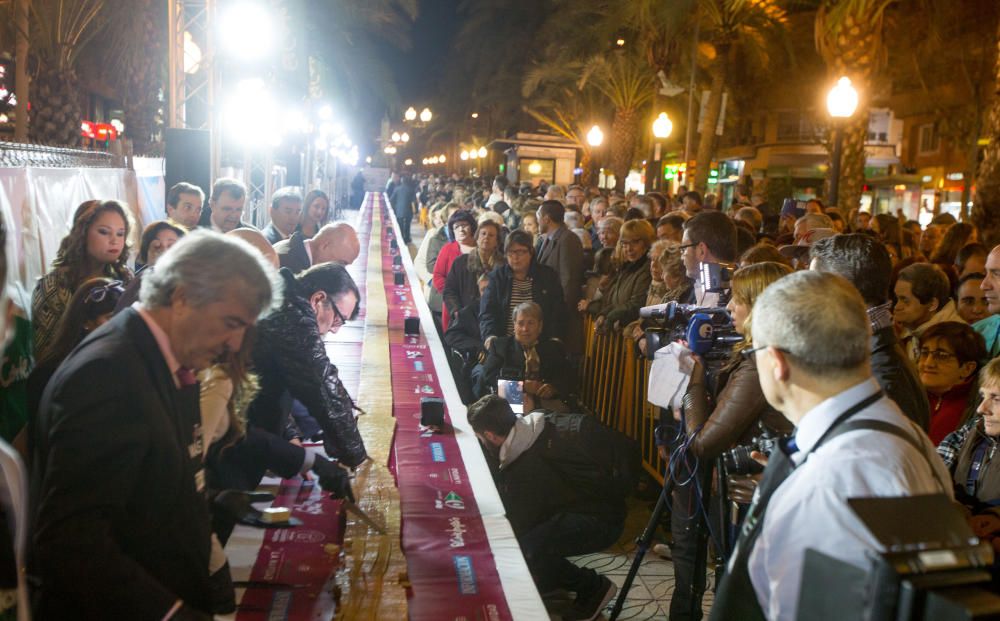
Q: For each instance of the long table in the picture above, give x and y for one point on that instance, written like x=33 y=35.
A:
x=461 y=557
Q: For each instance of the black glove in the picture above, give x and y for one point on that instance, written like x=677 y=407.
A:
x=187 y=613
x=333 y=478
x=221 y=594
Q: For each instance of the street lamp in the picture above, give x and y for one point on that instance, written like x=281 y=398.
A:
x=425 y=115
x=595 y=137
x=408 y=162
x=662 y=126
x=405 y=137
x=475 y=115
x=395 y=136
x=841 y=102
x=441 y=158
x=410 y=114
x=482 y=152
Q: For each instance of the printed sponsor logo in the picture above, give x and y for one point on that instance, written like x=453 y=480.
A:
x=456 y=533
x=455 y=475
x=418 y=366
x=280 y=604
x=454 y=501
x=466 y=575
x=437 y=452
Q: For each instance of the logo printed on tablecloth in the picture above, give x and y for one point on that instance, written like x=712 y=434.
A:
x=454 y=501
x=456 y=532
x=466 y=575
x=452 y=474
x=437 y=452
x=418 y=366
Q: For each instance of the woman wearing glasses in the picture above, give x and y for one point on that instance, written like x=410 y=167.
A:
x=947 y=361
x=95 y=247
x=90 y=307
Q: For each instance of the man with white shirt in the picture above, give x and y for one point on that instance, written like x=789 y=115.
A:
x=811 y=342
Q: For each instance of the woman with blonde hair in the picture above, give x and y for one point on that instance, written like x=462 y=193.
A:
x=626 y=293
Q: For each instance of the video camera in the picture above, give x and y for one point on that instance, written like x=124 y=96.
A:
x=709 y=332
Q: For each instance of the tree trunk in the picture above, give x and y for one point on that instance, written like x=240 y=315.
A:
x=624 y=136
x=852 y=160
x=144 y=78
x=706 y=129
x=587 y=168
x=56 y=113
x=986 y=206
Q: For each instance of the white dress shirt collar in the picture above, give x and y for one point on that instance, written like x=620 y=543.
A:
x=816 y=421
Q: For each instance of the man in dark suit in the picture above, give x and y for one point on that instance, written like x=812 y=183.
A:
x=560 y=249
x=286 y=210
x=225 y=206
x=120 y=525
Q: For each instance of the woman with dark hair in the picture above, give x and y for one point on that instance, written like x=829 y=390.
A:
x=90 y=307
x=971 y=259
x=954 y=238
x=315 y=210
x=96 y=246
x=461 y=288
x=156 y=239
x=462 y=231
x=948 y=360
x=521 y=279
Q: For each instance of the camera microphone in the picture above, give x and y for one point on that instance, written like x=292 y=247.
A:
x=656 y=311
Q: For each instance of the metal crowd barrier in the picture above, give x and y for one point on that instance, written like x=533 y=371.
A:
x=22 y=154
x=614 y=383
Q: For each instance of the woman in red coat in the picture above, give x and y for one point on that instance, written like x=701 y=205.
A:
x=948 y=360
x=462 y=232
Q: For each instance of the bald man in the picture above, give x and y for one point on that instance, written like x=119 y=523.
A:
x=257 y=240
x=334 y=242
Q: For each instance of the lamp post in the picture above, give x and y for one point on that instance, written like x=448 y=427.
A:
x=662 y=128
x=595 y=138
x=841 y=102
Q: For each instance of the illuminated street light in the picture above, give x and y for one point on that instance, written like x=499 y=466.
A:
x=595 y=137
x=395 y=136
x=475 y=115
x=405 y=137
x=464 y=155
x=425 y=115
x=408 y=162
x=482 y=152
x=662 y=126
x=473 y=154
x=620 y=42
x=410 y=114
x=441 y=158
x=534 y=168
x=841 y=102
x=246 y=31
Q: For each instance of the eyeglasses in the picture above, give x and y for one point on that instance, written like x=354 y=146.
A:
x=630 y=242
x=684 y=247
x=938 y=355
x=518 y=252
x=97 y=294
x=747 y=353
x=339 y=320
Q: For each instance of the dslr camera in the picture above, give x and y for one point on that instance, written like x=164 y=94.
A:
x=737 y=460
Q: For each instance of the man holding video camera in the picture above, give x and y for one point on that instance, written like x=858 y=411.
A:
x=811 y=343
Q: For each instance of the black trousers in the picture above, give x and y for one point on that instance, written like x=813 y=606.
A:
x=547 y=545
x=690 y=533
x=405 y=218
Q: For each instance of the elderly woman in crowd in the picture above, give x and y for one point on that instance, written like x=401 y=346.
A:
x=156 y=239
x=948 y=358
x=609 y=230
x=627 y=291
x=520 y=279
x=462 y=232
x=96 y=246
x=923 y=298
x=461 y=288
x=976 y=477
x=669 y=283
x=315 y=210
x=541 y=363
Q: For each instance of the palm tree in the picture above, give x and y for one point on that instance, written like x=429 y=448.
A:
x=986 y=206
x=850 y=38
x=728 y=28
x=59 y=31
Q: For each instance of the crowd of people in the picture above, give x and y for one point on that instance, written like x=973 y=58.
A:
x=160 y=384
x=162 y=388
x=831 y=308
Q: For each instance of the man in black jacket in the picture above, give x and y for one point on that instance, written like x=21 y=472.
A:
x=864 y=261
x=120 y=522
x=555 y=475
x=333 y=242
x=291 y=361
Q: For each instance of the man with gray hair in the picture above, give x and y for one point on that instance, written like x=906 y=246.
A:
x=811 y=342
x=121 y=526
x=286 y=208
x=334 y=242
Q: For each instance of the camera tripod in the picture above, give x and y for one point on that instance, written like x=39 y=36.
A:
x=701 y=558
